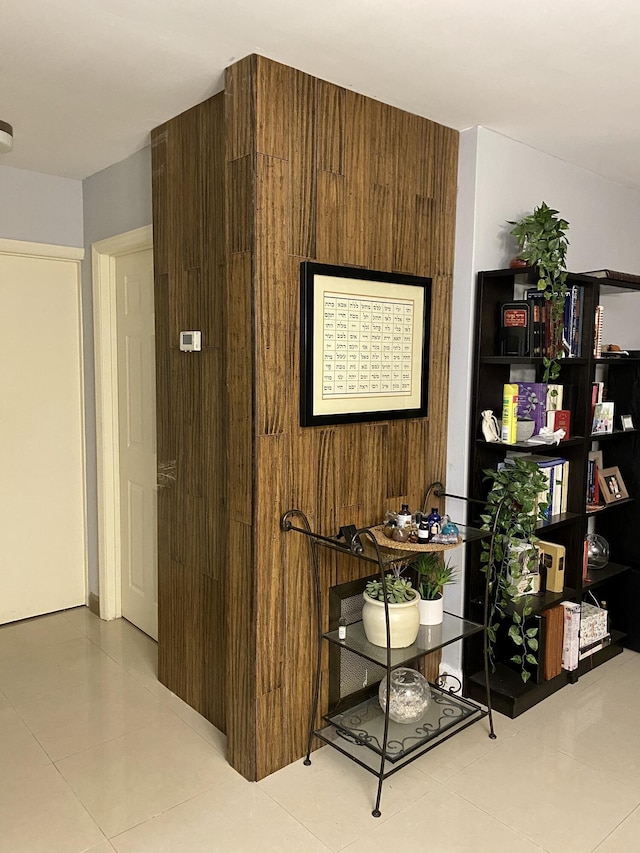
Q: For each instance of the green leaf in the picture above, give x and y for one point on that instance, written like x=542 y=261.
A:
x=525 y=675
x=531 y=659
x=517 y=659
x=533 y=645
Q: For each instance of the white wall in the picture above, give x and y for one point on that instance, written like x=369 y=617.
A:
x=500 y=179
x=116 y=200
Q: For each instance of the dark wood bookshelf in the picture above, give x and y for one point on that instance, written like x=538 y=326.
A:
x=621 y=449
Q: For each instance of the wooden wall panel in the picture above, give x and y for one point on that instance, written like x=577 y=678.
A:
x=189 y=260
x=311 y=171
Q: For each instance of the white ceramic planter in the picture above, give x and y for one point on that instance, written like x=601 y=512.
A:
x=431 y=612
x=404 y=622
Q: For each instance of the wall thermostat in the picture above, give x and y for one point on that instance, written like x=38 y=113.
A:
x=190 y=341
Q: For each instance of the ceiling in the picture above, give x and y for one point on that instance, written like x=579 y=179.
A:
x=84 y=81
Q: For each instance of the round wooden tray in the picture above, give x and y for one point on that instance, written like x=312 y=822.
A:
x=392 y=545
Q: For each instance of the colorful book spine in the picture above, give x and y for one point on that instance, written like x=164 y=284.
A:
x=509 y=413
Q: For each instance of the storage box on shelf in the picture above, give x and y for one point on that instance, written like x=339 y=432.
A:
x=567 y=527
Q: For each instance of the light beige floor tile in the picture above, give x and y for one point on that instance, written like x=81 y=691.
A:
x=466 y=747
x=58 y=667
x=442 y=822
x=237 y=817
x=623 y=839
x=105 y=847
x=123 y=642
x=40 y=814
x=191 y=717
x=90 y=713
x=334 y=797
x=135 y=777
x=19 y=749
x=136 y=653
x=532 y=787
x=597 y=731
x=18 y=638
x=4 y=702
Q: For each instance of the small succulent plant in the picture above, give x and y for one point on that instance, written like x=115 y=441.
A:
x=399 y=590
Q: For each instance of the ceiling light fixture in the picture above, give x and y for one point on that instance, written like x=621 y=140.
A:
x=6 y=137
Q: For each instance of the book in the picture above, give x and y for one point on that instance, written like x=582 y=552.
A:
x=603 y=418
x=554 y=396
x=509 y=413
x=515 y=328
x=559 y=419
x=616 y=276
x=532 y=401
x=597 y=332
x=571 y=635
x=592 y=648
x=552 y=557
x=537 y=310
x=553 y=632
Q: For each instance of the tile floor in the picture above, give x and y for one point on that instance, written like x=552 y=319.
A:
x=96 y=755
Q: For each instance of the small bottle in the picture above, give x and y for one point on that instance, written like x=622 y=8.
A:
x=434 y=523
x=423 y=531
x=404 y=516
x=342 y=628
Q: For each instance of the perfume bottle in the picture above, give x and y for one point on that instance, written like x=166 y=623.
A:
x=434 y=523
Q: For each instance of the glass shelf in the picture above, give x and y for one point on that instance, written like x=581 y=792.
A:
x=359 y=731
x=430 y=639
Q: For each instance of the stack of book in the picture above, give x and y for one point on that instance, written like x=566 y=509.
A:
x=547 y=405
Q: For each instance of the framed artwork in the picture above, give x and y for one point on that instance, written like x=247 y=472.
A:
x=627 y=422
x=364 y=345
x=612 y=487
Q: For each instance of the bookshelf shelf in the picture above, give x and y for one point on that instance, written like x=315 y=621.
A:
x=621 y=378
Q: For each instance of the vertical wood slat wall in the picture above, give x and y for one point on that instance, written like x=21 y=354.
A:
x=311 y=172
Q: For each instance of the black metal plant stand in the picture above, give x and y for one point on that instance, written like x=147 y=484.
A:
x=364 y=732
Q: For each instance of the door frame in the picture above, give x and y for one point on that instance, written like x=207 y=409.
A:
x=103 y=261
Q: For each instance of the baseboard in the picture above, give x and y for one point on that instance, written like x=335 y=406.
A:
x=94 y=603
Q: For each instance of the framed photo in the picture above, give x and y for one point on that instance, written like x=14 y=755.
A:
x=627 y=422
x=602 y=418
x=612 y=487
x=364 y=345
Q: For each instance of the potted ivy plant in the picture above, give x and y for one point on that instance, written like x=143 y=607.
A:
x=402 y=604
x=433 y=574
x=543 y=243
x=514 y=507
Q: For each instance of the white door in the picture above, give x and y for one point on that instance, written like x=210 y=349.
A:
x=137 y=439
x=42 y=530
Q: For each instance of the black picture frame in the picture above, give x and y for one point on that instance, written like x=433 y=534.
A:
x=329 y=395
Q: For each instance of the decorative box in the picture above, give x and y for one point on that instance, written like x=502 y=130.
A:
x=593 y=624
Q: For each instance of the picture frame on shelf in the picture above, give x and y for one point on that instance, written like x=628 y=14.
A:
x=612 y=487
x=364 y=345
x=603 y=414
x=626 y=422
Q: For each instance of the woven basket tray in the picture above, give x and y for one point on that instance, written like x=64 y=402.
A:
x=392 y=545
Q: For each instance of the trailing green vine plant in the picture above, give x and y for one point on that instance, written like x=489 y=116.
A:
x=511 y=514
x=543 y=244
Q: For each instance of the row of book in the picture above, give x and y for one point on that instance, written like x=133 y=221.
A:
x=556 y=473
x=529 y=327
x=547 y=405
